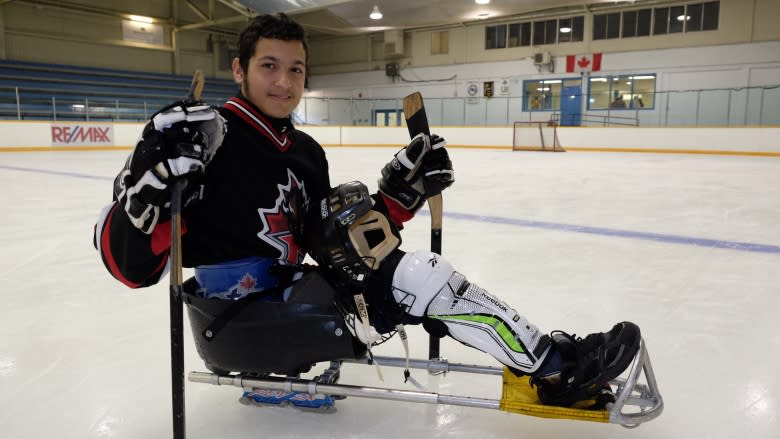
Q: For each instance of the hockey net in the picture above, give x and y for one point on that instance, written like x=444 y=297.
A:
x=536 y=136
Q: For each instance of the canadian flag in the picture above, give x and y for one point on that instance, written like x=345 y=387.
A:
x=583 y=63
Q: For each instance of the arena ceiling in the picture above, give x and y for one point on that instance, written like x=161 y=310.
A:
x=335 y=17
x=345 y=17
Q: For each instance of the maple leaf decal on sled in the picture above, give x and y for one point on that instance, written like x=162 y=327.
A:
x=283 y=222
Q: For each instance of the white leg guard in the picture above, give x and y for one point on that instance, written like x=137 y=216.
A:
x=428 y=286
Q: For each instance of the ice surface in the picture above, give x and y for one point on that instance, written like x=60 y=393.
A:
x=686 y=246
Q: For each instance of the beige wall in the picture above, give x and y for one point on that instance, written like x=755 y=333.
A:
x=767 y=15
x=60 y=36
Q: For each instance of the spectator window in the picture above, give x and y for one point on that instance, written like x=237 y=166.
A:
x=606 y=26
x=613 y=25
x=542 y=95
x=551 y=31
x=710 y=16
x=545 y=32
x=625 y=92
x=440 y=43
x=570 y=29
x=535 y=33
x=495 y=37
x=677 y=19
x=519 y=34
x=629 y=24
x=661 y=21
x=599 y=27
x=643 y=20
x=693 y=23
x=692 y=17
x=578 y=31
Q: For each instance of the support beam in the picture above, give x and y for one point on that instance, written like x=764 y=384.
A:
x=208 y=23
x=203 y=16
x=241 y=10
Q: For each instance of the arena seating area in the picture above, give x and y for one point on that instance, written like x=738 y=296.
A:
x=36 y=91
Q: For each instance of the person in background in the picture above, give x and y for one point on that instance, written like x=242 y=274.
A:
x=618 y=101
x=536 y=104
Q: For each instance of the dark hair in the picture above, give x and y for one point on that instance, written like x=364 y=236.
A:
x=277 y=27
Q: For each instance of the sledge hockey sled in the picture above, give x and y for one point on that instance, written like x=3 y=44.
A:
x=263 y=347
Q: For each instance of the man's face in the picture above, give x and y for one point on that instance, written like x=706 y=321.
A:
x=275 y=76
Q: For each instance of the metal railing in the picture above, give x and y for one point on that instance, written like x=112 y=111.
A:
x=601 y=120
x=748 y=106
x=41 y=103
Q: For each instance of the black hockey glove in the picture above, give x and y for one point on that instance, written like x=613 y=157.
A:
x=178 y=142
x=419 y=171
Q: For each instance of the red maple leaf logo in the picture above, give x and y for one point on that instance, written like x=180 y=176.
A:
x=247 y=282
x=285 y=217
x=583 y=62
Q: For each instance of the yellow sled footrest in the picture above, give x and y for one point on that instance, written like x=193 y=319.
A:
x=519 y=397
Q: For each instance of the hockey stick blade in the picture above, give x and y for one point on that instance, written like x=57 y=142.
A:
x=414 y=112
x=196 y=86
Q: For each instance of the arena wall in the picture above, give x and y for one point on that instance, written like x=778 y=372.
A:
x=55 y=136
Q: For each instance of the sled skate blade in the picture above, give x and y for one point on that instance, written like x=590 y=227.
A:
x=634 y=402
x=280 y=398
x=309 y=400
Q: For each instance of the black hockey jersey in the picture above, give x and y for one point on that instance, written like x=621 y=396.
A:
x=261 y=191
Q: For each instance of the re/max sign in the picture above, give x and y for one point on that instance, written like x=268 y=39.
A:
x=82 y=135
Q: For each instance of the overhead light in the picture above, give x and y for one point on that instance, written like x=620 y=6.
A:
x=141 y=19
x=683 y=17
x=565 y=30
x=481 y=2
x=483 y=15
x=376 y=14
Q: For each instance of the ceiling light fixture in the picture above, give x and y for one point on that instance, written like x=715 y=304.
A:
x=565 y=30
x=141 y=19
x=481 y=2
x=376 y=14
x=683 y=17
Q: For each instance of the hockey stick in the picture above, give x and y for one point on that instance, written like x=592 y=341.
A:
x=417 y=122
x=176 y=282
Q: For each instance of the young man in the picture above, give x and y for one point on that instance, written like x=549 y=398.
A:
x=259 y=197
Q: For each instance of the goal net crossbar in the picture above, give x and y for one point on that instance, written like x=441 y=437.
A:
x=536 y=136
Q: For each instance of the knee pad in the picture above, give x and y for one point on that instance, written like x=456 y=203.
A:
x=418 y=279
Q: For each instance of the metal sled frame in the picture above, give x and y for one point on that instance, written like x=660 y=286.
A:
x=635 y=403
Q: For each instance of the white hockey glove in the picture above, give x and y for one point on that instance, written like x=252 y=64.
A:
x=178 y=142
x=419 y=171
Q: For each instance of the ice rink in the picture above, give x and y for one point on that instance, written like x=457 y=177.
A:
x=686 y=246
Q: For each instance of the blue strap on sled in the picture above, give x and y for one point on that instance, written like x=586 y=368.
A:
x=236 y=279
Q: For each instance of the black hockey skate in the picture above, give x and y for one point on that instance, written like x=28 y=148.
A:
x=588 y=364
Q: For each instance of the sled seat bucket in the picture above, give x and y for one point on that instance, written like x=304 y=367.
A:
x=253 y=336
